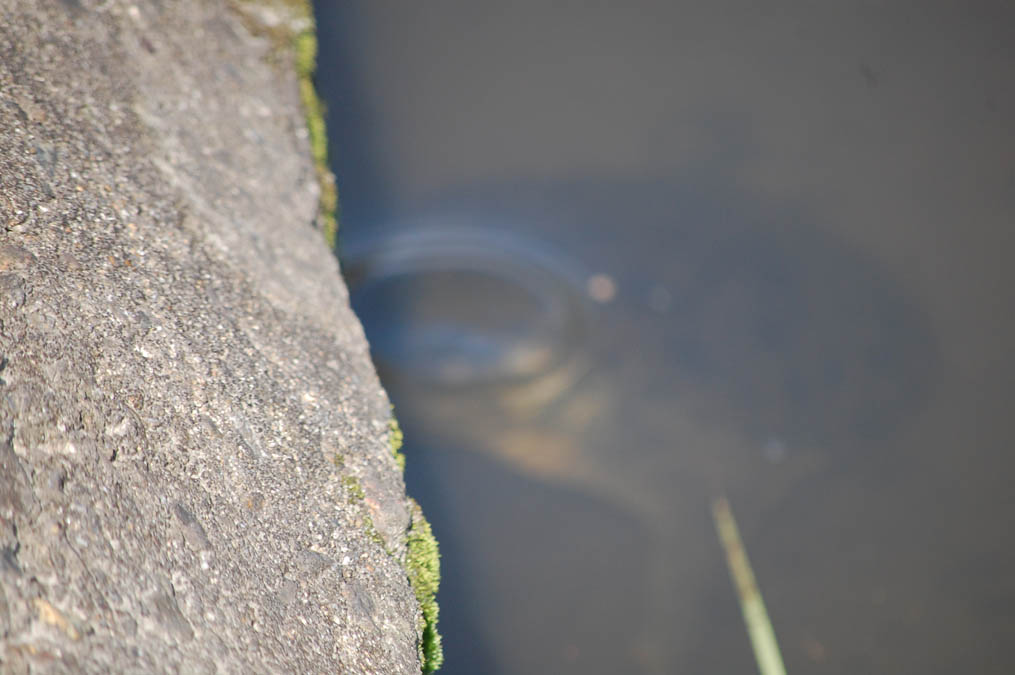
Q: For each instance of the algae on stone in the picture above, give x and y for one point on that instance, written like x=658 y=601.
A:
x=305 y=45
x=396 y=437
x=289 y=25
x=423 y=565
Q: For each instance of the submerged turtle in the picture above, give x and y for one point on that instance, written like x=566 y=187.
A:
x=737 y=334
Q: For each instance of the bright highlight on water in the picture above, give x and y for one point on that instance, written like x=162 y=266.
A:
x=759 y=627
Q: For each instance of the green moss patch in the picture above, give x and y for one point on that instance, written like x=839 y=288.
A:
x=305 y=46
x=396 y=438
x=424 y=568
x=423 y=565
x=298 y=34
x=353 y=490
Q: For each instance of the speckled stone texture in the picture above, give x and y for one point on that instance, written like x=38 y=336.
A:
x=195 y=473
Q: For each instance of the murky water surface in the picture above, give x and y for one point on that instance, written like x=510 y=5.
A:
x=617 y=260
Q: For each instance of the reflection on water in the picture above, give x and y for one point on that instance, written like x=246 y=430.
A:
x=615 y=260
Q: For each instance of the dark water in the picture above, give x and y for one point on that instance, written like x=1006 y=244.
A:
x=616 y=260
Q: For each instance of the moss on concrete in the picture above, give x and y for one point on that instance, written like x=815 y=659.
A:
x=354 y=491
x=423 y=565
x=305 y=46
x=396 y=438
x=295 y=32
x=422 y=560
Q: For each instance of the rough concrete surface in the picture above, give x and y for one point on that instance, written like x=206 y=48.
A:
x=195 y=473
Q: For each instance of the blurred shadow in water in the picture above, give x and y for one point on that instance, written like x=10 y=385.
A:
x=616 y=260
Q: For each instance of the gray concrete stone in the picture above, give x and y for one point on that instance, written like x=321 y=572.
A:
x=193 y=442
